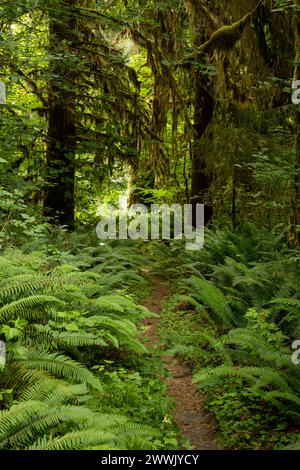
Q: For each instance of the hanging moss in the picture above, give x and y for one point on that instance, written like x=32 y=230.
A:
x=226 y=36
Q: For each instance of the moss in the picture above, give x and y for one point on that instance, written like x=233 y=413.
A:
x=226 y=36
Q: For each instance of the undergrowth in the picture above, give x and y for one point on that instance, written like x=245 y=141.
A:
x=233 y=317
x=77 y=375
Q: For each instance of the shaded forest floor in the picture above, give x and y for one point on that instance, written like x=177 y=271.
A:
x=194 y=423
x=210 y=367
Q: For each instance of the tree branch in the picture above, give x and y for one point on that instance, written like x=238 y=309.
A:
x=226 y=36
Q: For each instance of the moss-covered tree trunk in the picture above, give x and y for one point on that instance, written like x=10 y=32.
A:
x=203 y=113
x=61 y=140
x=200 y=178
x=294 y=232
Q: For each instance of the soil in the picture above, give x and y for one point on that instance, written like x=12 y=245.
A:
x=189 y=414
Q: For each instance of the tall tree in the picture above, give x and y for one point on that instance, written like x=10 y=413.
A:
x=61 y=140
x=294 y=231
x=203 y=106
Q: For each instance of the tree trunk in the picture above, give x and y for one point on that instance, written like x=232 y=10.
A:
x=294 y=231
x=201 y=180
x=59 y=198
x=203 y=113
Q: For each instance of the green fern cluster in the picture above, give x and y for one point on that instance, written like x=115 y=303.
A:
x=57 y=320
x=244 y=287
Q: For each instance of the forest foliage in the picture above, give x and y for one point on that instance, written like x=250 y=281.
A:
x=163 y=101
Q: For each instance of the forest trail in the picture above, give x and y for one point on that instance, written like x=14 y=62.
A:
x=193 y=422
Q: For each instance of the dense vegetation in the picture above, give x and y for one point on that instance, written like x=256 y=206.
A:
x=234 y=318
x=163 y=102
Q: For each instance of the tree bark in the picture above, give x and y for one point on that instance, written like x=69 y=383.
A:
x=294 y=230
x=59 y=199
x=200 y=178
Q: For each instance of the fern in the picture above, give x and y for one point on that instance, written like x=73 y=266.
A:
x=205 y=292
x=54 y=392
x=112 y=432
x=27 y=307
x=22 y=421
x=59 y=365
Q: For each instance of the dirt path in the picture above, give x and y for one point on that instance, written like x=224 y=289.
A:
x=189 y=415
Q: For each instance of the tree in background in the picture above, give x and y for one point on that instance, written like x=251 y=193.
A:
x=59 y=191
x=294 y=231
x=180 y=98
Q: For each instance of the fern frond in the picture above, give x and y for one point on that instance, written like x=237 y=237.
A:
x=205 y=292
x=55 y=392
x=25 y=307
x=59 y=365
x=23 y=421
